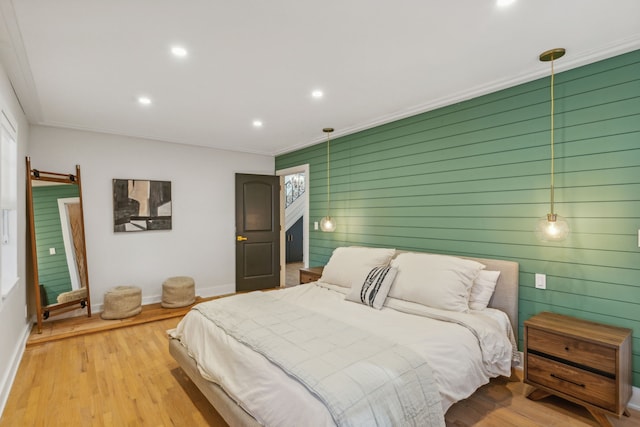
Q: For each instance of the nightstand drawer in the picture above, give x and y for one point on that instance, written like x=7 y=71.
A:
x=311 y=274
x=306 y=277
x=589 y=387
x=576 y=351
x=586 y=362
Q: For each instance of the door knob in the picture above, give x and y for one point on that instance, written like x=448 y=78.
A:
x=241 y=238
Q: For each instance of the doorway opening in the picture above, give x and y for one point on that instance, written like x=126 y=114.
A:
x=67 y=207
x=294 y=234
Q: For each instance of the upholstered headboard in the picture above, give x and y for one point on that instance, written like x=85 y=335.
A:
x=505 y=297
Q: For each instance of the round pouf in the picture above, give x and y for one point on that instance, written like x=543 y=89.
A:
x=121 y=302
x=178 y=291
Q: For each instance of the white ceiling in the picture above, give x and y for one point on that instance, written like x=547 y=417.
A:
x=82 y=63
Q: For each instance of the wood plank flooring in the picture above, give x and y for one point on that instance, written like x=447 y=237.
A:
x=126 y=377
x=292 y=271
x=60 y=328
x=119 y=377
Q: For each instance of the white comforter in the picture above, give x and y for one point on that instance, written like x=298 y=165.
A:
x=461 y=360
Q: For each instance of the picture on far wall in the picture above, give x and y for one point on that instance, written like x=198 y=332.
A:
x=140 y=205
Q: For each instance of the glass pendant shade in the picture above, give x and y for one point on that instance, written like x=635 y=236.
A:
x=552 y=228
x=327 y=224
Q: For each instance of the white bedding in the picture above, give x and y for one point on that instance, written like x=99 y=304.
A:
x=273 y=398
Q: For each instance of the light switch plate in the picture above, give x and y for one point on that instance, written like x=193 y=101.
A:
x=315 y=226
x=52 y=251
x=639 y=238
x=541 y=281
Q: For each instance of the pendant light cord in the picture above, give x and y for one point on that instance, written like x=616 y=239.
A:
x=328 y=175
x=552 y=137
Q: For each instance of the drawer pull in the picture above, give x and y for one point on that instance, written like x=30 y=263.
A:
x=566 y=349
x=569 y=381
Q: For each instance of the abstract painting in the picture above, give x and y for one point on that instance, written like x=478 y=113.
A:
x=141 y=205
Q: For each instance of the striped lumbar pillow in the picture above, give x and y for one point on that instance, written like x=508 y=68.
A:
x=373 y=289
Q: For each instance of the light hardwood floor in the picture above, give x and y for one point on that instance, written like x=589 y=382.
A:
x=120 y=377
x=60 y=328
x=126 y=377
x=292 y=271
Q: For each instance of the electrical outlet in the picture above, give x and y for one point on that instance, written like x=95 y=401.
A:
x=541 y=281
x=52 y=251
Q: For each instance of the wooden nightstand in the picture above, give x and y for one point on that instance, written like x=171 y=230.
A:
x=585 y=362
x=311 y=274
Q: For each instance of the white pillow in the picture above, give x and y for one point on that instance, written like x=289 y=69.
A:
x=438 y=281
x=482 y=289
x=372 y=290
x=347 y=265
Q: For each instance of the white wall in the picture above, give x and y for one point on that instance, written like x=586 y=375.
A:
x=202 y=241
x=14 y=325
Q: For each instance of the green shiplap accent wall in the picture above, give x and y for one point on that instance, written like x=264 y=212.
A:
x=473 y=178
x=53 y=271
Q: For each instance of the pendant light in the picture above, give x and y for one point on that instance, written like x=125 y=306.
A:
x=552 y=227
x=327 y=223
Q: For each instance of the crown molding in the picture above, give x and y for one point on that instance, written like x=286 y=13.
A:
x=16 y=63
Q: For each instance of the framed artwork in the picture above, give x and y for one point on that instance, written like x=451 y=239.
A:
x=141 y=205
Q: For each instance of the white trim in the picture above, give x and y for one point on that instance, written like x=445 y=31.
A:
x=305 y=224
x=283 y=231
x=9 y=254
x=16 y=63
x=5 y=294
x=634 y=403
x=213 y=291
x=618 y=47
x=6 y=382
x=96 y=309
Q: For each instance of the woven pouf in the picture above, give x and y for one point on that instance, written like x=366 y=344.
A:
x=121 y=302
x=76 y=294
x=178 y=291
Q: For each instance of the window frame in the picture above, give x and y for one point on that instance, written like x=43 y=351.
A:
x=9 y=277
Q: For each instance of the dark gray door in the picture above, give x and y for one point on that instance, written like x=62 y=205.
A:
x=294 y=242
x=257 y=232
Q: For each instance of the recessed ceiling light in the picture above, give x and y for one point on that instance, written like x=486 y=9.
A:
x=179 y=51
x=317 y=94
x=144 y=100
x=504 y=3
x=257 y=123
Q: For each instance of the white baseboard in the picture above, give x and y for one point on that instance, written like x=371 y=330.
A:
x=218 y=290
x=634 y=403
x=212 y=291
x=10 y=374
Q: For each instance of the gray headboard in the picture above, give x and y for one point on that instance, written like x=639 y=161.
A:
x=505 y=297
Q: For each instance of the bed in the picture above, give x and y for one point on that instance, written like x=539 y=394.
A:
x=464 y=332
